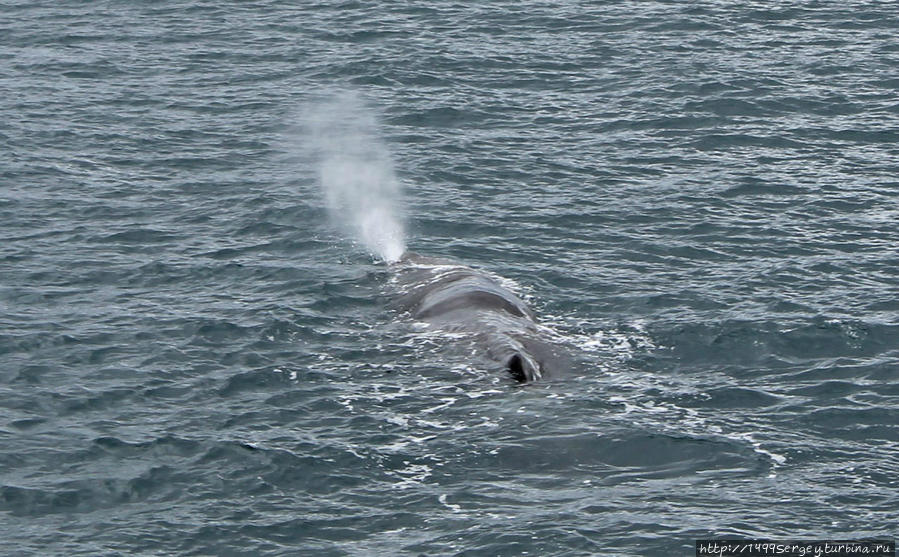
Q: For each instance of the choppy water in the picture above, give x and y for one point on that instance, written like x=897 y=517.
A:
x=196 y=360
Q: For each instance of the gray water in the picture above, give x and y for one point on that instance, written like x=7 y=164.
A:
x=197 y=351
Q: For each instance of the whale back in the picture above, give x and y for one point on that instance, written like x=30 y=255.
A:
x=456 y=298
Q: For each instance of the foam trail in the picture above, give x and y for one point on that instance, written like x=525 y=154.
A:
x=356 y=174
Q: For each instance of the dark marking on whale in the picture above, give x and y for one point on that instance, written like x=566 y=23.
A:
x=455 y=298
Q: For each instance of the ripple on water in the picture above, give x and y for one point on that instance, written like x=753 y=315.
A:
x=698 y=200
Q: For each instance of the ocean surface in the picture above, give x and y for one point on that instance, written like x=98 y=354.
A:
x=198 y=354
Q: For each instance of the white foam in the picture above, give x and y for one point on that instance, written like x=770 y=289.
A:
x=452 y=507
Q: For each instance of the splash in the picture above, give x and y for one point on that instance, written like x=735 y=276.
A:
x=356 y=174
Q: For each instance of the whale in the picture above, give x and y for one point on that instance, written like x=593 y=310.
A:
x=455 y=298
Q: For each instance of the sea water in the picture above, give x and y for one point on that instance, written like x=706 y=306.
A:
x=198 y=202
